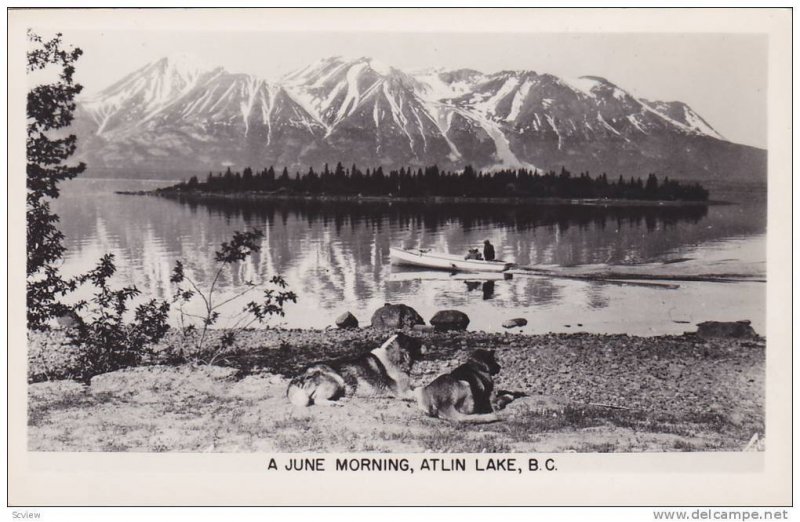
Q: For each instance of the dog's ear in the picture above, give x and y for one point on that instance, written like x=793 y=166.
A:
x=494 y=366
x=411 y=345
x=482 y=355
x=389 y=342
x=486 y=358
x=397 y=351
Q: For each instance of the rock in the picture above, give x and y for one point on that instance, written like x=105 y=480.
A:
x=391 y=316
x=513 y=323
x=728 y=330
x=450 y=320
x=347 y=320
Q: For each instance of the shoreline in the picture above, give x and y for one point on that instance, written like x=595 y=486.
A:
x=580 y=393
x=201 y=196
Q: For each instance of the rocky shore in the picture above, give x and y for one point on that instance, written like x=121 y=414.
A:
x=582 y=392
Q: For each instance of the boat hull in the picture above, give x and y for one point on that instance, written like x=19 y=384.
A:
x=422 y=258
x=410 y=274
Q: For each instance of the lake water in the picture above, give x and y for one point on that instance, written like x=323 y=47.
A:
x=335 y=256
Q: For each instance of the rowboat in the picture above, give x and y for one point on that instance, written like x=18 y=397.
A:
x=428 y=259
x=440 y=275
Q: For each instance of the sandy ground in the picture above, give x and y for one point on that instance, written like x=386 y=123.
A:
x=585 y=393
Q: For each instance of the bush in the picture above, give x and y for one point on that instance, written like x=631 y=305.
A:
x=106 y=342
x=195 y=328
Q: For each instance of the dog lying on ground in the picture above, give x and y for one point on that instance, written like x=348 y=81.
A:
x=383 y=371
x=464 y=394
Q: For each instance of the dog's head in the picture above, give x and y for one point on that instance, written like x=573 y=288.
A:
x=486 y=359
x=403 y=350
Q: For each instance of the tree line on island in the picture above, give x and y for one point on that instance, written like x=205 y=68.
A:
x=431 y=181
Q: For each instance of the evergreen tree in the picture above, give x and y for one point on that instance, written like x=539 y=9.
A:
x=430 y=181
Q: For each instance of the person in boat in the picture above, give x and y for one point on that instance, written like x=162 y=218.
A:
x=488 y=251
x=473 y=253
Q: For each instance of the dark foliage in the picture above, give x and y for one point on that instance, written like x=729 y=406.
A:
x=49 y=108
x=105 y=340
x=431 y=181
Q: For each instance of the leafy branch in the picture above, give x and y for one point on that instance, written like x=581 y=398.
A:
x=196 y=327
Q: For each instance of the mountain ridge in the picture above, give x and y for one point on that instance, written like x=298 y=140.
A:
x=178 y=114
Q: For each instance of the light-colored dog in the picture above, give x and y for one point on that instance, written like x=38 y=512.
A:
x=383 y=371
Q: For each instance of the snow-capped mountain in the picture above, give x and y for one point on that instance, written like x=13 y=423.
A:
x=181 y=115
x=370 y=110
x=143 y=93
x=172 y=116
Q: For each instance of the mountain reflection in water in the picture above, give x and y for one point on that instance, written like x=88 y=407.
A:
x=335 y=255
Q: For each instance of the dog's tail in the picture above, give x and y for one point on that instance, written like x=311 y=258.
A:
x=297 y=395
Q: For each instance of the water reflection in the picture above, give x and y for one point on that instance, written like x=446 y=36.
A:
x=431 y=217
x=336 y=255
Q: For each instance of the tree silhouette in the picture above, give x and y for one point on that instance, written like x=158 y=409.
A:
x=471 y=183
x=50 y=107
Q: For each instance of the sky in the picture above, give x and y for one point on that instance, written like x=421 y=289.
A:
x=721 y=76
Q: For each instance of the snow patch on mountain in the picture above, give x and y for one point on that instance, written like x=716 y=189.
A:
x=397 y=114
x=439 y=85
x=582 y=85
x=490 y=106
x=503 y=154
x=308 y=104
x=699 y=124
x=555 y=129
x=442 y=117
x=606 y=124
x=519 y=99
x=351 y=98
x=666 y=118
x=435 y=89
x=635 y=122
x=379 y=67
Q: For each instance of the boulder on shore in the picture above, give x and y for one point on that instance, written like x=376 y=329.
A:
x=513 y=323
x=391 y=316
x=726 y=330
x=450 y=320
x=347 y=320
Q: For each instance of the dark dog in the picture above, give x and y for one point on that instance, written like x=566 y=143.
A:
x=463 y=395
x=383 y=371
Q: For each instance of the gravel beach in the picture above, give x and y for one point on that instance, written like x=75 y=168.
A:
x=583 y=393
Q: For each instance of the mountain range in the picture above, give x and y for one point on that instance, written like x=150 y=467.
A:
x=178 y=115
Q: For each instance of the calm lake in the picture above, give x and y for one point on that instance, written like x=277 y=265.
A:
x=335 y=256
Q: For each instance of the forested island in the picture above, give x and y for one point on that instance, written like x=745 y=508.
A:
x=433 y=182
